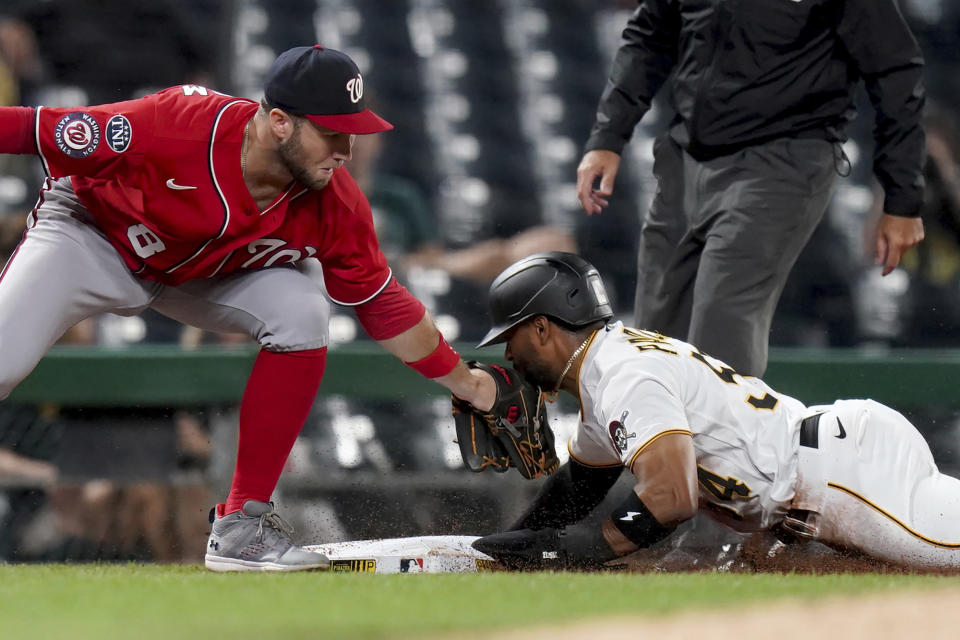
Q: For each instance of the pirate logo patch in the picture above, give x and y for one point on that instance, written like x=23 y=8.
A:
x=77 y=134
x=618 y=433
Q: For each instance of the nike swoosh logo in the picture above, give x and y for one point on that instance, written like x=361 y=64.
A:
x=843 y=432
x=178 y=187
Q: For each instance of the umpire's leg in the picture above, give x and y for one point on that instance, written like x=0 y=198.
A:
x=668 y=254
x=763 y=204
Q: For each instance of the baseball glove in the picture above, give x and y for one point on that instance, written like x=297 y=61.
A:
x=514 y=433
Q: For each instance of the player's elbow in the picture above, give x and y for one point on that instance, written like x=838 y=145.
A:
x=686 y=503
x=674 y=504
x=685 y=499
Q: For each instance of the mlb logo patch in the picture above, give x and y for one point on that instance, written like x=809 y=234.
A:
x=77 y=134
x=411 y=565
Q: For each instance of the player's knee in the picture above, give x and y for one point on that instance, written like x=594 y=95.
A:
x=304 y=326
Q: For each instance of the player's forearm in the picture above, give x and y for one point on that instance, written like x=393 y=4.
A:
x=640 y=67
x=16 y=130
x=422 y=347
x=568 y=496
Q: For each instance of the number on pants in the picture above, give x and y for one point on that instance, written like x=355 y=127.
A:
x=727 y=488
x=144 y=241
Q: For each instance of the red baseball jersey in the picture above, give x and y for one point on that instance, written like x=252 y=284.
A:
x=161 y=175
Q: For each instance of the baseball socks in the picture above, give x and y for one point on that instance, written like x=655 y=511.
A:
x=276 y=402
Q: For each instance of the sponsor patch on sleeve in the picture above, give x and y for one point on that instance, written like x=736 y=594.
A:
x=119 y=133
x=77 y=134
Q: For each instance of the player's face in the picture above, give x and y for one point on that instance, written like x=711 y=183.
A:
x=312 y=153
x=523 y=350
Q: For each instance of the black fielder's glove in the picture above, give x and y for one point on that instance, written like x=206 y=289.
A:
x=576 y=546
x=514 y=433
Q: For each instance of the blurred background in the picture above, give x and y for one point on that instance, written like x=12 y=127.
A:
x=492 y=101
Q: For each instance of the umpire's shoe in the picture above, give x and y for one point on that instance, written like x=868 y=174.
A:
x=256 y=539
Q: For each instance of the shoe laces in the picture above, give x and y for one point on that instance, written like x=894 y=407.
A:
x=275 y=522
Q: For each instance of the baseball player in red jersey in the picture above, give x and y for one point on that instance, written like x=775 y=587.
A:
x=207 y=208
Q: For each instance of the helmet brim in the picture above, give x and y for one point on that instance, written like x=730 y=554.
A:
x=497 y=334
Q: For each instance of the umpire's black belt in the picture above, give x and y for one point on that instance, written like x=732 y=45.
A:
x=810 y=431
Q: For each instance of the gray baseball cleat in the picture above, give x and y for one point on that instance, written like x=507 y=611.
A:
x=256 y=539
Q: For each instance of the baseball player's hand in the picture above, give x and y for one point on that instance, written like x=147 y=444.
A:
x=514 y=432
x=896 y=234
x=577 y=546
x=601 y=164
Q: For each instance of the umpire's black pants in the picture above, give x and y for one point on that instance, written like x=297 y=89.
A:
x=720 y=239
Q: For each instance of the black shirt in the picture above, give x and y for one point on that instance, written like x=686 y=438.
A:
x=749 y=71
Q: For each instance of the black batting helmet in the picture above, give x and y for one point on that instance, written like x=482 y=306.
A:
x=559 y=285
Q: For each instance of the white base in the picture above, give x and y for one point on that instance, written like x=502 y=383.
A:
x=421 y=554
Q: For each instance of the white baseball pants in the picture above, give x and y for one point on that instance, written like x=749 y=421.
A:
x=874 y=487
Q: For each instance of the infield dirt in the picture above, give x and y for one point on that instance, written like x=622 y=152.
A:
x=908 y=614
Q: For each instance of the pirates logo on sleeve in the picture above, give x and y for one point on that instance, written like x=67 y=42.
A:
x=618 y=432
x=119 y=133
x=77 y=134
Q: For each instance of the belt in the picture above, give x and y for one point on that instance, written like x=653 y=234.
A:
x=810 y=431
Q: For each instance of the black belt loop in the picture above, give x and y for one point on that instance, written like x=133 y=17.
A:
x=810 y=431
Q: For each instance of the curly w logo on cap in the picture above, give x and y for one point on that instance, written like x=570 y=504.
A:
x=325 y=87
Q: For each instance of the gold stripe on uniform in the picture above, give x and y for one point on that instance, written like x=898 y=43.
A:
x=633 y=458
x=918 y=536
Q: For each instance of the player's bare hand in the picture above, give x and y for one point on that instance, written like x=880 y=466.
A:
x=483 y=392
x=595 y=164
x=896 y=234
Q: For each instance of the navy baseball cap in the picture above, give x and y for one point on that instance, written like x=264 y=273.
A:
x=324 y=86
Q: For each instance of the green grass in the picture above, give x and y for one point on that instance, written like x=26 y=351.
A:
x=144 y=602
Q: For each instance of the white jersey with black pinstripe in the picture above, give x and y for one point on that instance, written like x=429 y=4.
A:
x=636 y=386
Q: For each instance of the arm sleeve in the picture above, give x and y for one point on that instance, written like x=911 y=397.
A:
x=91 y=141
x=355 y=271
x=887 y=56
x=640 y=67
x=632 y=409
x=643 y=413
x=391 y=312
x=568 y=496
x=16 y=130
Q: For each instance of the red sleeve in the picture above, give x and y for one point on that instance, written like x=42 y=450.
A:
x=354 y=268
x=86 y=141
x=391 y=312
x=16 y=130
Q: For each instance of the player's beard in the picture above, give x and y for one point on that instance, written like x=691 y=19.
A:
x=537 y=373
x=294 y=159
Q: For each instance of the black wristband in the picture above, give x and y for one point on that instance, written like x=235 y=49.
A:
x=635 y=521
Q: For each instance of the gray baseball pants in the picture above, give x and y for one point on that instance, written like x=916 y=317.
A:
x=65 y=270
x=720 y=239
